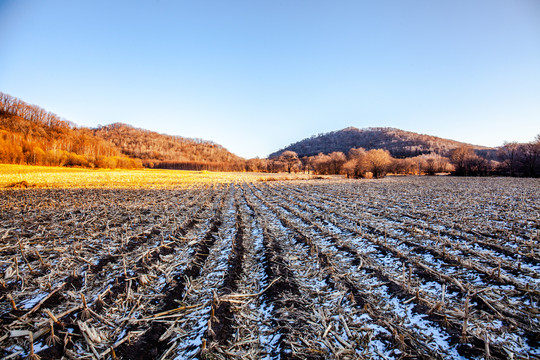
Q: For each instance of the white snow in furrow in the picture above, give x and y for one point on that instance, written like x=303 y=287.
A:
x=434 y=228
x=189 y=344
x=389 y=262
x=269 y=338
x=469 y=276
x=33 y=300
x=211 y=278
x=413 y=320
x=308 y=271
x=431 y=328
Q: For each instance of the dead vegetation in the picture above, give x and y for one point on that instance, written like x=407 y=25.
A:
x=401 y=268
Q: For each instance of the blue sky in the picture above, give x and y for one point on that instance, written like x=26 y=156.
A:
x=257 y=75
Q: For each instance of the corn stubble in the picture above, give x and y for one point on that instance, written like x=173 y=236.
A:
x=224 y=266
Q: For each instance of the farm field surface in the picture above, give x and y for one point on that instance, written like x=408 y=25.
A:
x=224 y=266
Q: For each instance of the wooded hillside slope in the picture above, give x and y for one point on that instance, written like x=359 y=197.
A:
x=399 y=143
x=31 y=135
x=161 y=149
x=34 y=136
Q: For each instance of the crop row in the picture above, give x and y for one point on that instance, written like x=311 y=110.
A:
x=400 y=268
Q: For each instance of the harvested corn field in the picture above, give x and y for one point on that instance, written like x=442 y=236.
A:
x=412 y=267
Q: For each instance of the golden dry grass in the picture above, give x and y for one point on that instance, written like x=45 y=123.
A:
x=23 y=176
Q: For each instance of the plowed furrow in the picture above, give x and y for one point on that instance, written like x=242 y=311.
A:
x=174 y=292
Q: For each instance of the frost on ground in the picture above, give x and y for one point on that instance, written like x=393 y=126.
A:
x=410 y=267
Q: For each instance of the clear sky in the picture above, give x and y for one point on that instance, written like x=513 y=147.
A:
x=256 y=75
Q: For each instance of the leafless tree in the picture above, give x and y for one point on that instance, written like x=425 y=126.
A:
x=290 y=159
x=337 y=159
x=530 y=154
x=509 y=155
x=355 y=166
x=377 y=162
x=461 y=157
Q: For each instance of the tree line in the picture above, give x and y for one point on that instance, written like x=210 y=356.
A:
x=361 y=163
x=513 y=159
x=31 y=135
x=520 y=159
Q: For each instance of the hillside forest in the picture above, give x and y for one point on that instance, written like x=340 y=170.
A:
x=31 y=135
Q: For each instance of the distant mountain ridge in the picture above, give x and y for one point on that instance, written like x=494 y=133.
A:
x=399 y=143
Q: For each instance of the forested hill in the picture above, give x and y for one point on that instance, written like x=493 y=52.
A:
x=399 y=143
x=152 y=146
x=30 y=135
x=34 y=136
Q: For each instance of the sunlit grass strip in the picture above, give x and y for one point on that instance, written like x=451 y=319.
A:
x=27 y=176
x=59 y=177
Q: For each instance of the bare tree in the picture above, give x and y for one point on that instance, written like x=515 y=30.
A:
x=321 y=163
x=306 y=164
x=337 y=159
x=378 y=161
x=255 y=164
x=290 y=159
x=509 y=155
x=468 y=163
x=530 y=156
x=355 y=166
x=433 y=163
x=461 y=157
